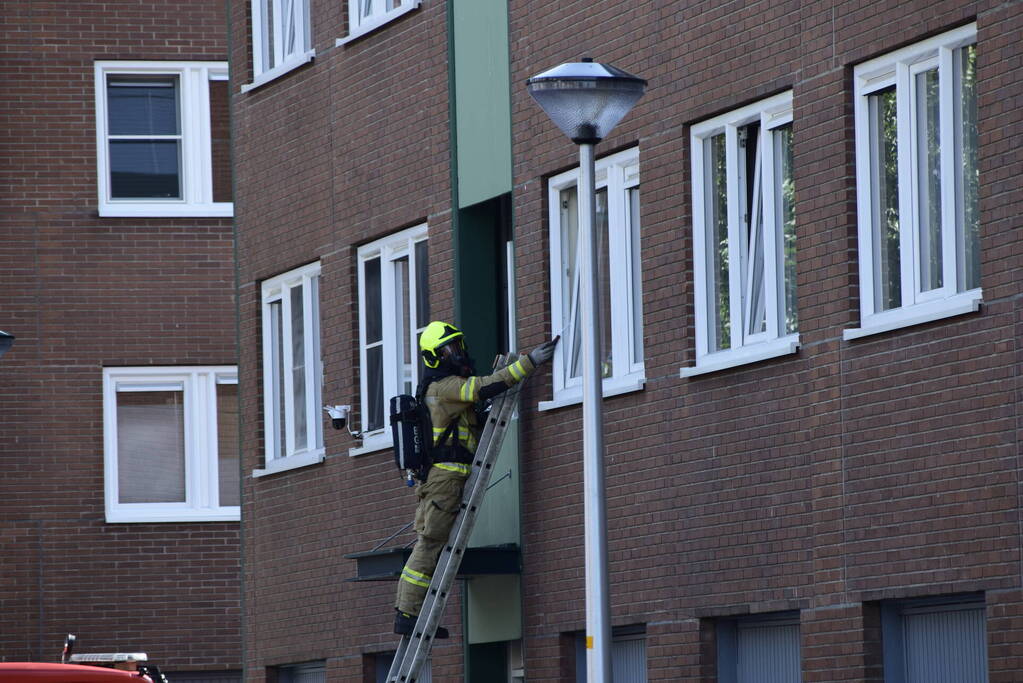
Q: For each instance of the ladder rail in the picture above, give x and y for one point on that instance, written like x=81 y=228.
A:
x=414 y=650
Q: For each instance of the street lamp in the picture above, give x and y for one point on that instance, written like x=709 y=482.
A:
x=586 y=100
x=6 y=340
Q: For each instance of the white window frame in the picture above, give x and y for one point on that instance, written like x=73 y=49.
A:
x=198 y=385
x=898 y=68
x=288 y=16
x=380 y=15
x=618 y=173
x=388 y=250
x=196 y=158
x=772 y=113
x=280 y=450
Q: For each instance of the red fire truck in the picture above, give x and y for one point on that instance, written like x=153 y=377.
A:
x=112 y=667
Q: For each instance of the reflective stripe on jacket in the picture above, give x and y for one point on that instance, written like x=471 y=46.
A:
x=453 y=397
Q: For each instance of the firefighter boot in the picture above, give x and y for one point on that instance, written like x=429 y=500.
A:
x=405 y=623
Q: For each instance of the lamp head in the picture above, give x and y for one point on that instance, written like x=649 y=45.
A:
x=586 y=99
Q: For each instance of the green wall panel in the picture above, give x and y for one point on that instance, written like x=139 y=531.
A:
x=482 y=99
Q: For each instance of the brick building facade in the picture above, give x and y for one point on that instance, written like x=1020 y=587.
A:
x=812 y=297
x=119 y=513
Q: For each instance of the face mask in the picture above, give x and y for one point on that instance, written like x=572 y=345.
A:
x=459 y=361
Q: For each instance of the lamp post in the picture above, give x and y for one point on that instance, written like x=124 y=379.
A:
x=586 y=100
x=6 y=340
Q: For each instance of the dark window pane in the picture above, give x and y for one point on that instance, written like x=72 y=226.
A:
x=884 y=180
x=717 y=243
x=220 y=141
x=298 y=362
x=968 y=179
x=372 y=302
x=142 y=106
x=604 y=281
x=375 y=388
x=150 y=447
x=227 y=444
x=422 y=284
x=145 y=169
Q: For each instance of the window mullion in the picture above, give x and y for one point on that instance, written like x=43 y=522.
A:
x=186 y=128
x=414 y=323
x=947 y=150
x=199 y=470
x=735 y=251
x=199 y=179
x=908 y=221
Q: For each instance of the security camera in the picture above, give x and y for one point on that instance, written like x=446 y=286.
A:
x=338 y=415
x=339 y=418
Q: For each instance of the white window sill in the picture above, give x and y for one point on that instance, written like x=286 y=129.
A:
x=966 y=302
x=279 y=70
x=125 y=514
x=574 y=396
x=733 y=358
x=166 y=210
x=292 y=462
x=373 y=24
x=373 y=443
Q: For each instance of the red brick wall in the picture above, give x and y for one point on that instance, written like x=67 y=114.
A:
x=848 y=473
x=81 y=293
x=824 y=482
x=340 y=152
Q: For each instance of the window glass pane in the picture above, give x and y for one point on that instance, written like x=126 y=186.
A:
x=717 y=243
x=754 y=307
x=422 y=285
x=785 y=203
x=298 y=365
x=570 y=282
x=600 y=230
x=276 y=345
x=402 y=313
x=928 y=168
x=637 y=277
x=289 y=27
x=227 y=444
x=220 y=141
x=375 y=388
x=316 y=362
x=372 y=307
x=884 y=174
x=151 y=446
x=145 y=169
x=968 y=170
x=142 y=106
x=267 y=32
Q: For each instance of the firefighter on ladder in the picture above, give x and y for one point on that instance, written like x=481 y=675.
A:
x=452 y=390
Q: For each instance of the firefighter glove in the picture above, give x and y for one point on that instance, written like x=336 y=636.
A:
x=543 y=353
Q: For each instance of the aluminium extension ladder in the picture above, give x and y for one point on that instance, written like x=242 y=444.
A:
x=414 y=650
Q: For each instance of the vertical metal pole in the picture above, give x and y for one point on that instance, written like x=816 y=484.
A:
x=598 y=610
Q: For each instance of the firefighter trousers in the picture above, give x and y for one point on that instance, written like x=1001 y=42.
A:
x=439 y=498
